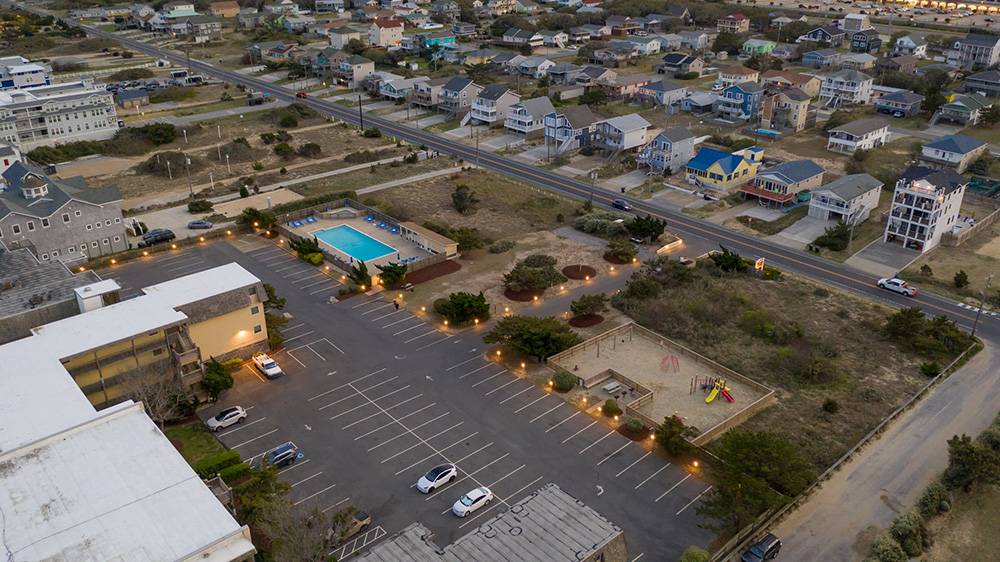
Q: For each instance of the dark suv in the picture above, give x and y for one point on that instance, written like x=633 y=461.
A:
x=279 y=456
x=765 y=549
x=156 y=236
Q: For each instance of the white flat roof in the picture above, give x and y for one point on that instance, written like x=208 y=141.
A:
x=111 y=489
x=201 y=285
x=99 y=288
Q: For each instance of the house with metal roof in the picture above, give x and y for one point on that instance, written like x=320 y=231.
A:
x=723 y=170
x=758 y=47
x=625 y=133
x=904 y=103
x=986 y=83
x=679 y=63
x=952 y=151
x=857 y=61
x=569 y=127
x=850 y=199
x=669 y=151
x=781 y=184
x=863 y=134
x=912 y=45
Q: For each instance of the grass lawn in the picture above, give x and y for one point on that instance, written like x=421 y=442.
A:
x=866 y=232
x=768 y=228
x=967 y=531
x=714 y=207
x=365 y=178
x=443 y=127
x=199 y=443
x=979 y=257
x=990 y=134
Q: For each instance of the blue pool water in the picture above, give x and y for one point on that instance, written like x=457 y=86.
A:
x=353 y=243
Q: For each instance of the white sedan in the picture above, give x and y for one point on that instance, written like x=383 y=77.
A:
x=226 y=418
x=897 y=285
x=472 y=501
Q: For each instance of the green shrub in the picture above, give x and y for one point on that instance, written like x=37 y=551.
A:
x=587 y=151
x=693 y=553
x=362 y=156
x=563 y=381
x=931 y=369
x=621 y=249
x=199 y=206
x=233 y=473
x=372 y=133
x=961 y=279
x=289 y=121
x=244 y=192
x=233 y=364
x=283 y=136
x=502 y=246
x=460 y=308
x=258 y=166
x=602 y=223
x=539 y=260
x=284 y=151
x=931 y=502
x=310 y=150
x=441 y=306
x=886 y=549
x=211 y=466
x=634 y=425
x=831 y=406
x=267 y=138
x=908 y=530
x=315 y=258
x=305 y=246
x=611 y=408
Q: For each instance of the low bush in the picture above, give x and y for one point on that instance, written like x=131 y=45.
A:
x=233 y=364
x=310 y=150
x=634 y=425
x=539 y=260
x=233 y=473
x=372 y=133
x=908 y=530
x=461 y=308
x=244 y=192
x=602 y=223
x=289 y=121
x=284 y=151
x=934 y=500
x=268 y=138
x=441 y=306
x=930 y=369
x=502 y=246
x=362 y=156
x=200 y=206
x=167 y=164
x=563 y=381
x=611 y=408
x=587 y=151
x=211 y=466
x=831 y=406
x=886 y=549
x=694 y=554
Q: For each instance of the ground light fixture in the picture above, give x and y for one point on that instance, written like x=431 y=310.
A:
x=201 y=238
x=599 y=408
x=145 y=253
x=423 y=309
x=584 y=399
x=81 y=268
x=696 y=464
x=536 y=297
x=652 y=436
x=173 y=246
x=498 y=353
x=587 y=278
x=522 y=366
x=612 y=268
x=229 y=232
x=445 y=322
x=475 y=320
x=114 y=262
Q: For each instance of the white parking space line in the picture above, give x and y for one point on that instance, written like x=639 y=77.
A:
x=355 y=395
x=296 y=264
x=336 y=504
x=254 y=439
x=638 y=557
x=410 y=431
x=462 y=363
x=321 y=281
x=627 y=443
x=369 y=400
x=334 y=286
x=422 y=335
x=241 y=426
x=314 y=495
x=357 y=543
x=345 y=384
x=381 y=427
x=410 y=328
x=672 y=487
x=606 y=435
x=532 y=483
x=186 y=266
x=633 y=464
x=489 y=378
x=393 y=313
x=299 y=336
x=501 y=386
x=279 y=255
x=504 y=477
x=474 y=472
x=423 y=460
x=448 y=337
x=308 y=278
x=293 y=327
x=539 y=416
x=694 y=500
x=293 y=466
x=571 y=416
x=579 y=432
x=542 y=397
x=476 y=371
x=306 y=479
x=367 y=302
x=294 y=273
x=400 y=321
x=364 y=419
x=289 y=353
x=376 y=309
x=518 y=394
x=662 y=468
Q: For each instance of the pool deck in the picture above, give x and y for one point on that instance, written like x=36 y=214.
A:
x=405 y=248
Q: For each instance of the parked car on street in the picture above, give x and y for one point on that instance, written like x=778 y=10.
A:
x=897 y=285
x=436 y=477
x=156 y=236
x=472 y=501
x=226 y=418
x=193 y=225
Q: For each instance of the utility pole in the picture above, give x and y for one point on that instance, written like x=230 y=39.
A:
x=187 y=168
x=477 y=149
x=361 y=114
x=593 y=178
x=169 y=175
x=187 y=51
x=982 y=301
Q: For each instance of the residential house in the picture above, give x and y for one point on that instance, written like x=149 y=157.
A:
x=386 y=33
x=974 y=52
x=826 y=34
x=515 y=37
x=174 y=6
x=645 y=45
x=527 y=117
x=324 y=62
x=679 y=12
x=286 y=7
x=131 y=99
x=353 y=70
x=579 y=35
x=786 y=53
x=456 y=96
x=624 y=86
x=786 y=79
x=612 y=56
x=786 y=110
x=262 y=50
x=985 y=83
x=850 y=199
x=569 y=127
x=852 y=23
x=758 y=47
x=669 y=41
x=952 y=151
x=525 y=7
x=694 y=40
x=669 y=151
x=663 y=92
x=730 y=75
x=846 y=87
x=479 y=56
x=400 y=88
x=87 y=13
x=912 y=45
x=622 y=25
x=866 y=41
x=492 y=103
x=857 y=61
x=899 y=104
x=328 y=6
x=434 y=40
x=555 y=38
x=341 y=36
x=564 y=73
x=733 y=23
x=721 y=170
x=925 y=206
x=678 y=63
x=652 y=23
x=699 y=103
x=323 y=27
x=740 y=102
x=964 y=109
x=426 y=93
x=227 y=9
x=625 y=133
x=456 y=53
x=463 y=29
x=863 y=134
x=59 y=219
x=507 y=62
x=536 y=67
x=904 y=64
x=597 y=32
x=821 y=59
x=781 y=184
x=201 y=29
x=501 y=7
x=781 y=21
x=249 y=18
x=592 y=75
x=297 y=23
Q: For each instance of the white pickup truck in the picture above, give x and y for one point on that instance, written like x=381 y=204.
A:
x=266 y=365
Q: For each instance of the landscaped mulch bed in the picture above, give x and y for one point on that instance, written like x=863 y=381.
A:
x=431 y=272
x=177 y=445
x=633 y=435
x=612 y=259
x=523 y=296
x=579 y=271
x=586 y=320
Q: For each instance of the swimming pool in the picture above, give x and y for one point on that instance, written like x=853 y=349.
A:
x=356 y=244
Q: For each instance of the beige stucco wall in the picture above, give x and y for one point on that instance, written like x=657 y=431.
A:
x=219 y=335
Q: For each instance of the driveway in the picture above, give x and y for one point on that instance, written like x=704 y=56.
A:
x=632 y=179
x=884 y=259
x=498 y=143
x=535 y=153
x=803 y=232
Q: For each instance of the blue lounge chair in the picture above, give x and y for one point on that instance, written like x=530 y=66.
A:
x=313 y=219
x=310 y=220
x=299 y=223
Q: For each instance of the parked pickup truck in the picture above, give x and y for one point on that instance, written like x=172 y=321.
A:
x=267 y=366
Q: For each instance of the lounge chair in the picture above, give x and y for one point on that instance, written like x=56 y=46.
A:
x=313 y=219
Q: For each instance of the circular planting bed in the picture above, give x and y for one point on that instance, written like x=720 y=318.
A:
x=612 y=259
x=586 y=320
x=522 y=296
x=633 y=435
x=579 y=271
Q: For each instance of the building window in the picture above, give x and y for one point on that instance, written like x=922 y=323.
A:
x=107 y=222
x=93 y=244
x=97 y=224
x=255 y=310
x=105 y=241
x=253 y=290
x=31 y=226
x=16 y=229
x=55 y=253
x=256 y=329
x=72 y=249
x=45 y=257
x=116 y=221
x=78 y=213
x=45 y=223
x=118 y=238
x=65 y=217
x=90 y=227
x=157 y=352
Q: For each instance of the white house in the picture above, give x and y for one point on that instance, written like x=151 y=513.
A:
x=855 y=22
x=527 y=117
x=846 y=87
x=910 y=45
x=925 y=206
x=850 y=199
x=622 y=133
x=386 y=33
x=863 y=134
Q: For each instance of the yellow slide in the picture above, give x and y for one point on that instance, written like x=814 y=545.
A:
x=712 y=395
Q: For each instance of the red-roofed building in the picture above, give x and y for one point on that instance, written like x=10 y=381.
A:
x=733 y=23
x=386 y=33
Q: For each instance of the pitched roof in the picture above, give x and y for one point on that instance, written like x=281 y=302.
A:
x=852 y=186
x=676 y=134
x=793 y=77
x=678 y=11
x=663 y=86
x=796 y=94
x=707 y=157
x=494 y=92
x=741 y=70
x=850 y=75
x=735 y=17
x=678 y=58
x=991 y=76
x=830 y=30
x=537 y=107
x=629 y=122
x=946 y=178
x=60 y=192
x=579 y=116
x=916 y=40
x=971 y=101
x=748 y=87
x=869 y=33
x=457 y=83
x=862 y=126
x=355 y=60
x=383 y=24
x=825 y=53
x=959 y=144
x=981 y=40
x=794 y=171
x=903 y=96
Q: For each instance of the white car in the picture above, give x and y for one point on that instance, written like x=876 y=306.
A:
x=226 y=418
x=436 y=477
x=266 y=365
x=472 y=501
x=897 y=285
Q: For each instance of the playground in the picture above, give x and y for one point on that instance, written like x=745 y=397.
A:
x=681 y=381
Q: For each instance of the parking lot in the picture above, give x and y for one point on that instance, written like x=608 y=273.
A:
x=375 y=396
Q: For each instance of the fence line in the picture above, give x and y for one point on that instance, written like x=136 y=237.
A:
x=950 y=239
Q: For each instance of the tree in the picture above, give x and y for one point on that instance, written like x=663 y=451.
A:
x=728 y=42
x=589 y=304
x=926 y=271
x=621 y=249
x=355 y=47
x=264 y=220
x=304 y=247
x=961 y=278
x=217 y=379
x=359 y=275
x=310 y=150
x=904 y=322
x=646 y=227
x=992 y=115
x=526 y=278
x=283 y=149
x=464 y=200
x=969 y=463
x=466 y=307
x=392 y=273
x=594 y=98
x=274 y=324
x=694 y=554
x=538 y=337
x=261 y=489
x=162 y=397
x=293 y=535
x=730 y=261
x=673 y=436
x=273 y=301
x=480 y=73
